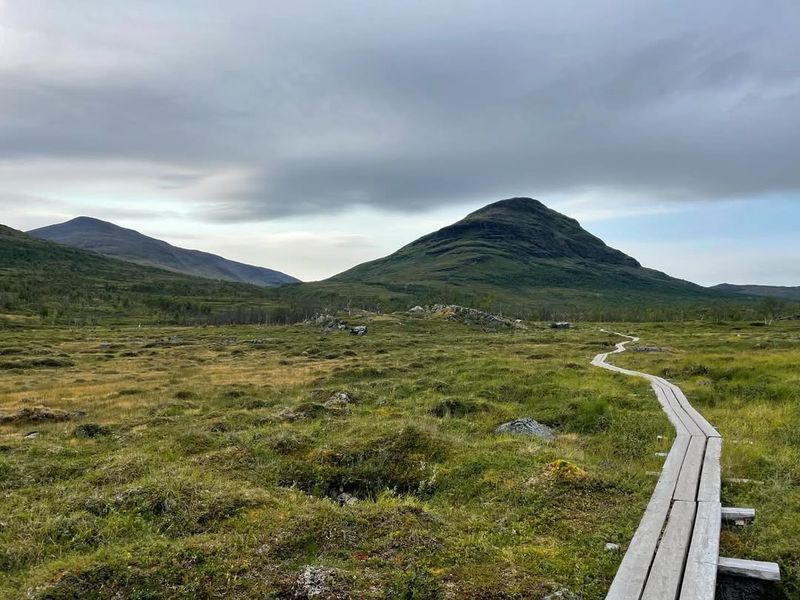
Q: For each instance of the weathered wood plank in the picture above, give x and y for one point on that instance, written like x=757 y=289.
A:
x=671 y=471
x=701 y=421
x=710 y=480
x=708 y=429
x=665 y=576
x=688 y=421
x=669 y=409
x=700 y=576
x=689 y=479
x=766 y=571
x=632 y=573
x=733 y=515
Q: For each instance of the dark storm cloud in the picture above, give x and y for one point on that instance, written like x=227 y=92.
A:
x=258 y=110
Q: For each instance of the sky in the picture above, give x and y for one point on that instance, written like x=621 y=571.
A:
x=313 y=135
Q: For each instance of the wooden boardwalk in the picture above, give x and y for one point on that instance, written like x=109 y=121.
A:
x=675 y=551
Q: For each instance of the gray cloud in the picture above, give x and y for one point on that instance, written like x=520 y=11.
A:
x=258 y=110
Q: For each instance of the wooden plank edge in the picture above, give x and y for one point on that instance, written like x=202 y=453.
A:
x=738 y=514
x=752 y=569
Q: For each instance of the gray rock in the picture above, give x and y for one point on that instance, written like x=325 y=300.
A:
x=359 y=330
x=416 y=310
x=316 y=582
x=561 y=325
x=473 y=316
x=340 y=400
x=562 y=594
x=528 y=427
x=31 y=436
x=612 y=547
x=346 y=499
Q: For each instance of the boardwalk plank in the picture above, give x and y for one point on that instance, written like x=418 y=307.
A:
x=689 y=479
x=766 y=571
x=700 y=577
x=710 y=481
x=632 y=573
x=665 y=576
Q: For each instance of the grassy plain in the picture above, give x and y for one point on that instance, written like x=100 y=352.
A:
x=212 y=462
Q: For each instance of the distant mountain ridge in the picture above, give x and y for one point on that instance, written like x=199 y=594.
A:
x=771 y=291
x=64 y=284
x=106 y=238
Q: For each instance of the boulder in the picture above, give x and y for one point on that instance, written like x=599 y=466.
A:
x=527 y=427
x=561 y=325
x=416 y=310
x=358 y=330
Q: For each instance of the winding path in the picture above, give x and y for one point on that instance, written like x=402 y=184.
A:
x=675 y=551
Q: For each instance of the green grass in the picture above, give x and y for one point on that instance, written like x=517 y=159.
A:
x=207 y=465
x=211 y=462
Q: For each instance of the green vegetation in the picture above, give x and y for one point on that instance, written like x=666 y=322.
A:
x=222 y=462
x=244 y=462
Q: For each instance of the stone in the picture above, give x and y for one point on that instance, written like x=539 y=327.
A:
x=316 y=583
x=561 y=325
x=346 y=499
x=528 y=427
x=416 y=310
x=359 y=330
x=562 y=594
x=340 y=400
x=612 y=547
x=471 y=316
x=31 y=436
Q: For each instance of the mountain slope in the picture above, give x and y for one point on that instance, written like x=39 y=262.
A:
x=772 y=291
x=519 y=246
x=126 y=244
x=62 y=284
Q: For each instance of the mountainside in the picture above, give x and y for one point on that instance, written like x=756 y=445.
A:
x=61 y=284
x=522 y=252
x=771 y=291
x=126 y=244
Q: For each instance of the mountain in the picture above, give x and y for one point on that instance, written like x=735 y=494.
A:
x=126 y=244
x=520 y=253
x=771 y=291
x=44 y=280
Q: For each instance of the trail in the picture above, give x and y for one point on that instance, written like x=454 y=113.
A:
x=675 y=551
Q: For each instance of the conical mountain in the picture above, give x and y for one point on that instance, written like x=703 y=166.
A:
x=523 y=252
x=111 y=240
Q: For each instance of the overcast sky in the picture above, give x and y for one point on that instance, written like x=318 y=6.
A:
x=312 y=135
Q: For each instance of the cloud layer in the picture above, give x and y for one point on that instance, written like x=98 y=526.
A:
x=251 y=110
